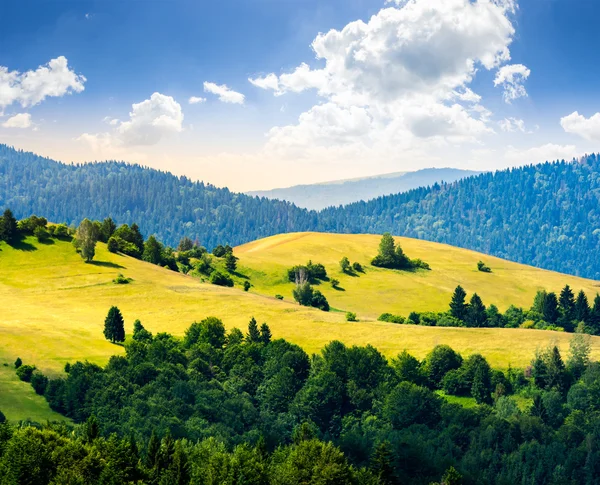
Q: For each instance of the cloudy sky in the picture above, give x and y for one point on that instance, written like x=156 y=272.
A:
x=256 y=94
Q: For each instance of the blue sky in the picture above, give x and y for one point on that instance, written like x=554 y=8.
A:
x=406 y=88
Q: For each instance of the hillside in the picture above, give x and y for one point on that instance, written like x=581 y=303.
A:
x=544 y=215
x=379 y=290
x=342 y=192
x=58 y=303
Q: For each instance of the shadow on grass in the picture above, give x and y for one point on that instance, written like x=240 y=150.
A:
x=106 y=264
x=240 y=275
x=338 y=288
x=22 y=245
x=352 y=273
x=47 y=242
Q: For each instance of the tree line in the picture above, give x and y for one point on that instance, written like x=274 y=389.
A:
x=221 y=406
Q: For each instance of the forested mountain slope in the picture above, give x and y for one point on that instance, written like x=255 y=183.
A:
x=166 y=205
x=545 y=215
x=320 y=196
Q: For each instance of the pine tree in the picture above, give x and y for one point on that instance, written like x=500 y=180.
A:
x=265 y=334
x=152 y=251
x=566 y=306
x=137 y=238
x=595 y=315
x=253 y=332
x=8 y=227
x=458 y=307
x=550 y=308
x=180 y=466
x=91 y=429
x=481 y=388
x=114 y=326
x=153 y=452
x=230 y=262
x=451 y=477
x=382 y=463
x=107 y=229
x=476 y=315
x=582 y=308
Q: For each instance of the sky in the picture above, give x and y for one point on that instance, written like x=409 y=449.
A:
x=258 y=94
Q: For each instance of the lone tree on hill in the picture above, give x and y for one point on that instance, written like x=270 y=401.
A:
x=114 y=326
x=458 y=307
x=8 y=227
x=85 y=239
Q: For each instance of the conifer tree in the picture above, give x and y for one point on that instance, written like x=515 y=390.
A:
x=458 y=307
x=107 y=229
x=152 y=251
x=114 y=326
x=476 y=315
x=382 y=463
x=253 y=332
x=550 y=308
x=153 y=452
x=265 y=333
x=582 y=308
x=137 y=238
x=482 y=387
x=8 y=227
x=595 y=315
x=230 y=262
x=566 y=305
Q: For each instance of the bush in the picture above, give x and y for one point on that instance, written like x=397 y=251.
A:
x=527 y=324
x=60 y=231
x=335 y=283
x=39 y=382
x=218 y=278
x=279 y=297
x=41 y=234
x=18 y=363
x=448 y=320
x=319 y=301
x=414 y=318
x=483 y=268
x=388 y=317
x=122 y=280
x=24 y=372
x=246 y=285
x=313 y=272
x=351 y=317
x=356 y=266
x=113 y=244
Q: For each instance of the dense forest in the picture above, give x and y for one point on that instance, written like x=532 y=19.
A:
x=545 y=215
x=232 y=408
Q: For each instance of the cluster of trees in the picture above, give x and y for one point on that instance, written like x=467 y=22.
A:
x=348 y=268
x=548 y=312
x=392 y=256
x=228 y=407
x=311 y=272
x=12 y=231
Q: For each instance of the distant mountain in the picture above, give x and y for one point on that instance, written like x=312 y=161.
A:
x=342 y=192
x=545 y=215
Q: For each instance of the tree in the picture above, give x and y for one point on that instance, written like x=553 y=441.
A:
x=345 y=265
x=356 y=266
x=220 y=279
x=18 y=363
x=476 y=315
x=152 y=251
x=185 y=244
x=265 y=334
x=482 y=387
x=392 y=256
x=137 y=238
x=319 y=301
x=582 y=308
x=107 y=229
x=246 y=285
x=439 y=361
x=41 y=234
x=566 y=307
x=594 y=319
x=550 y=308
x=86 y=238
x=579 y=354
x=253 y=332
x=230 y=262
x=8 y=227
x=335 y=283
x=114 y=325
x=382 y=463
x=113 y=245
x=458 y=307
x=481 y=266
x=303 y=293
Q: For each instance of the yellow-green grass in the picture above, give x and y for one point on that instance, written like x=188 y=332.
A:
x=379 y=290
x=53 y=306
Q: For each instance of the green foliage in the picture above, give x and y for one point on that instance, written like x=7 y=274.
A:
x=311 y=272
x=221 y=279
x=458 y=306
x=114 y=325
x=279 y=297
x=440 y=361
x=122 y=280
x=247 y=285
x=351 y=317
x=18 y=363
x=345 y=265
x=24 y=372
x=481 y=266
x=356 y=266
x=8 y=227
x=303 y=294
x=388 y=317
x=85 y=239
x=230 y=262
x=41 y=234
x=392 y=257
x=335 y=283
x=319 y=301
x=152 y=251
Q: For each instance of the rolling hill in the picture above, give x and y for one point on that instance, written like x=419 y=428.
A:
x=342 y=192
x=57 y=303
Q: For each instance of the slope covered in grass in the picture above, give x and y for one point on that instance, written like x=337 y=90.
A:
x=54 y=304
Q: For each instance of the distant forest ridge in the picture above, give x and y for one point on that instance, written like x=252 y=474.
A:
x=546 y=215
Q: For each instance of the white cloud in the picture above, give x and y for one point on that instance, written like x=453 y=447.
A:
x=402 y=77
x=544 y=153
x=21 y=120
x=196 y=100
x=225 y=94
x=54 y=79
x=510 y=125
x=588 y=128
x=512 y=78
x=149 y=122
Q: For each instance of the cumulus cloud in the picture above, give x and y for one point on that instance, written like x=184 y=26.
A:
x=588 y=128
x=149 y=122
x=21 y=120
x=196 y=100
x=548 y=152
x=225 y=94
x=402 y=76
x=512 y=78
x=54 y=79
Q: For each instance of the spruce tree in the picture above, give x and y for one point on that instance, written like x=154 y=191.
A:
x=458 y=307
x=382 y=463
x=566 y=306
x=476 y=315
x=482 y=387
x=8 y=227
x=253 y=332
x=582 y=308
x=114 y=326
x=594 y=319
x=137 y=238
x=265 y=333
x=152 y=251
x=550 y=308
x=230 y=262
x=153 y=452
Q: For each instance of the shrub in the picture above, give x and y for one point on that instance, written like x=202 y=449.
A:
x=448 y=320
x=41 y=234
x=246 y=285
x=351 y=317
x=60 y=231
x=414 y=318
x=335 y=283
x=39 y=382
x=356 y=266
x=528 y=324
x=345 y=265
x=313 y=272
x=388 y=317
x=113 y=244
x=24 y=372
x=218 y=278
x=319 y=301
x=18 y=363
x=122 y=280
x=483 y=268
x=279 y=297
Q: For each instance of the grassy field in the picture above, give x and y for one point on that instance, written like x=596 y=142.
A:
x=54 y=304
x=378 y=290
